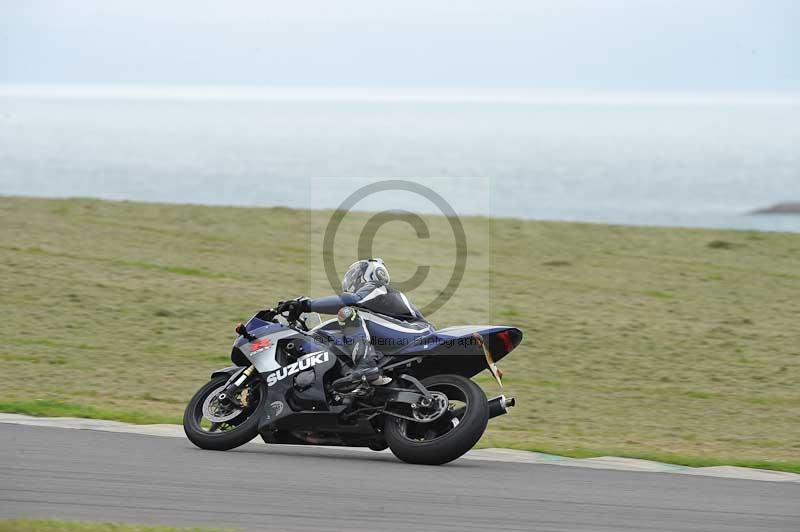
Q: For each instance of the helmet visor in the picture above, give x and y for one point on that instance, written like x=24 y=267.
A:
x=354 y=277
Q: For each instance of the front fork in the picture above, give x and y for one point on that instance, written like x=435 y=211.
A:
x=234 y=384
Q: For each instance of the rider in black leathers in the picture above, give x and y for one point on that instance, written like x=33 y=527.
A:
x=365 y=286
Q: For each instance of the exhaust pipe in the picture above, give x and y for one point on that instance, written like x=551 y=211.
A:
x=497 y=407
x=500 y=405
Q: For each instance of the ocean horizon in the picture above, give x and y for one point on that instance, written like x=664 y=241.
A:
x=635 y=158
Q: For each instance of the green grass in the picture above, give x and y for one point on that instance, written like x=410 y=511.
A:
x=55 y=525
x=54 y=408
x=679 y=344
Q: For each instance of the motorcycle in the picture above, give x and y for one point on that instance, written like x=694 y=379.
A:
x=281 y=388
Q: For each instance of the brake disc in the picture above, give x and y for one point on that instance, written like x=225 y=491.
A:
x=216 y=412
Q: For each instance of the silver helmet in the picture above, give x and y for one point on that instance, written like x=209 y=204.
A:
x=365 y=271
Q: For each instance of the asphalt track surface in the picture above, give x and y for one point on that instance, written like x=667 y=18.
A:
x=102 y=476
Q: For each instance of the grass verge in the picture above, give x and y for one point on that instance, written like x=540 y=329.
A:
x=790 y=466
x=51 y=408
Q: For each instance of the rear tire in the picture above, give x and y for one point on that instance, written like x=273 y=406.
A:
x=246 y=423
x=457 y=438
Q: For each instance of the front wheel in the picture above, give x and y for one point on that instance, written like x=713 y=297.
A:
x=448 y=436
x=212 y=425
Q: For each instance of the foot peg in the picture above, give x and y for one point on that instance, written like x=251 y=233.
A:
x=371 y=377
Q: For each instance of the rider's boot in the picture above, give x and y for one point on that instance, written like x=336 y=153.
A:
x=366 y=370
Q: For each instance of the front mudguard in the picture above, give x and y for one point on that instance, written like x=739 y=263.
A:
x=230 y=371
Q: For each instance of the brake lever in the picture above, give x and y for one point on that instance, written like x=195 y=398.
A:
x=303 y=323
x=267 y=314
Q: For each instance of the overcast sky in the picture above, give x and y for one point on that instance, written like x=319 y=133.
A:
x=601 y=44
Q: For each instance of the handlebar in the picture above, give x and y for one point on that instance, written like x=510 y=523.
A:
x=267 y=314
x=270 y=314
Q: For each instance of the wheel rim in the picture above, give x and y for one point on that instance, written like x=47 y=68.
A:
x=212 y=417
x=458 y=407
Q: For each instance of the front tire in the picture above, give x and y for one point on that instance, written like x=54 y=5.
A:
x=450 y=436
x=230 y=434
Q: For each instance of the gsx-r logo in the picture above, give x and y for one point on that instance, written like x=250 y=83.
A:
x=312 y=359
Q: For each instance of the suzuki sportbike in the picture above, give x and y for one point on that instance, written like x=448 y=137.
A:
x=281 y=388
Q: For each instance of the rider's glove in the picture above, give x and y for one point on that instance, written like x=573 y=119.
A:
x=294 y=307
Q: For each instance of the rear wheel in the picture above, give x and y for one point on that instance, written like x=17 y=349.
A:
x=449 y=435
x=214 y=425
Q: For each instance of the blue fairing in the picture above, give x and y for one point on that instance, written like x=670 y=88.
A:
x=456 y=350
x=456 y=339
x=257 y=328
x=254 y=324
x=449 y=350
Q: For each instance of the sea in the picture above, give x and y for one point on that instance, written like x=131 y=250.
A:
x=662 y=159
